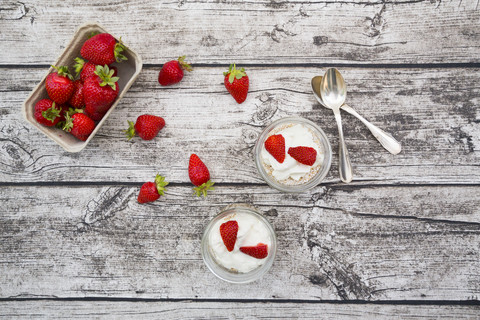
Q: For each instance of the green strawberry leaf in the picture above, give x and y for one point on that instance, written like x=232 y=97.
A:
x=160 y=183
x=130 y=132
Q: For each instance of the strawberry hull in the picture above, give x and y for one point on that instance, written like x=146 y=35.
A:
x=98 y=99
x=128 y=71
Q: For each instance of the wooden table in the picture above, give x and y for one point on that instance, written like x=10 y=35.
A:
x=400 y=241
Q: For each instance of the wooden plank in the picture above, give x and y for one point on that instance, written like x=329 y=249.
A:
x=267 y=31
x=99 y=242
x=227 y=310
x=433 y=112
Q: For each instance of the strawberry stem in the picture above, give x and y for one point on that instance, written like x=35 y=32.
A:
x=234 y=73
x=78 y=65
x=202 y=189
x=51 y=113
x=119 y=47
x=130 y=132
x=63 y=71
x=68 y=122
x=183 y=64
x=160 y=183
x=106 y=75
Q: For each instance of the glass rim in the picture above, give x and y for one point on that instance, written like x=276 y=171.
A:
x=319 y=176
x=222 y=272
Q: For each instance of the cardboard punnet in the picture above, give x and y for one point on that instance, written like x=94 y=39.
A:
x=128 y=71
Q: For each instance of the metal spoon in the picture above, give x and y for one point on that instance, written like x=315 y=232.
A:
x=333 y=91
x=385 y=139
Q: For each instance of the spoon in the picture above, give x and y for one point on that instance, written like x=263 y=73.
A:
x=333 y=91
x=385 y=139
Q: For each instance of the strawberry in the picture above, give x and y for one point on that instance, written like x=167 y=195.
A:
x=236 y=82
x=305 y=155
x=79 y=124
x=47 y=112
x=103 y=49
x=84 y=68
x=63 y=114
x=275 y=145
x=101 y=90
x=59 y=85
x=146 y=126
x=77 y=101
x=228 y=232
x=199 y=176
x=151 y=191
x=260 y=251
x=172 y=71
x=92 y=114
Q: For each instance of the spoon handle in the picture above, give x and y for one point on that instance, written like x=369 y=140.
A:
x=385 y=139
x=344 y=165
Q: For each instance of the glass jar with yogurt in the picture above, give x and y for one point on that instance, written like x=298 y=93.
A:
x=291 y=175
x=253 y=231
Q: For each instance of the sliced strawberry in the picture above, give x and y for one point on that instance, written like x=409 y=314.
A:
x=275 y=145
x=305 y=155
x=228 y=232
x=260 y=251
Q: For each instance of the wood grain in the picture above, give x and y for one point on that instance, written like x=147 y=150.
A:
x=97 y=241
x=270 y=31
x=231 y=310
x=432 y=112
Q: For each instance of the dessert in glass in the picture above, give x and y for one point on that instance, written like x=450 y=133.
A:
x=293 y=154
x=239 y=244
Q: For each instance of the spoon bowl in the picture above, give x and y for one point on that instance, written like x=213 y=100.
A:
x=333 y=89
x=385 y=138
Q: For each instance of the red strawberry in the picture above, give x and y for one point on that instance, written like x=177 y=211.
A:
x=199 y=176
x=47 y=112
x=275 y=145
x=100 y=90
x=236 y=82
x=84 y=68
x=77 y=101
x=305 y=155
x=150 y=191
x=172 y=71
x=95 y=116
x=78 y=124
x=146 y=126
x=260 y=251
x=59 y=85
x=228 y=232
x=103 y=49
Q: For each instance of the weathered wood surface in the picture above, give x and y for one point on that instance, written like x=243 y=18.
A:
x=433 y=112
x=407 y=228
x=98 y=241
x=270 y=31
x=230 y=310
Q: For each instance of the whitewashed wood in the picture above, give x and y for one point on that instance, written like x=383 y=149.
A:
x=433 y=112
x=227 y=310
x=98 y=241
x=268 y=31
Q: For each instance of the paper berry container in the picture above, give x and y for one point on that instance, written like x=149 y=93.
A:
x=128 y=71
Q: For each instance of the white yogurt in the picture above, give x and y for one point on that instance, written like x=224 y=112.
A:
x=251 y=231
x=295 y=136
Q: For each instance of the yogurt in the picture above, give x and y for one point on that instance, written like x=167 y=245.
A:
x=251 y=231
x=295 y=136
